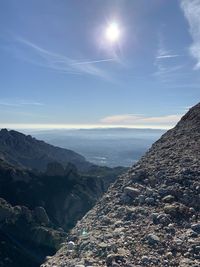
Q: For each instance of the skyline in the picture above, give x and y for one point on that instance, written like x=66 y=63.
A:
x=59 y=71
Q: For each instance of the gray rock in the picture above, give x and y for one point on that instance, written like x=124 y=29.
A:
x=168 y=199
x=141 y=199
x=103 y=245
x=169 y=255
x=153 y=239
x=164 y=219
x=150 y=200
x=196 y=227
x=131 y=191
x=163 y=191
x=191 y=233
x=149 y=192
x=171 y=209
x=178 y=241
x=145 y=260
x=114 y=258
x=155 y=217
x=70 y=245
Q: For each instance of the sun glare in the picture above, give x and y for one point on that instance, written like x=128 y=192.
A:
x=112 y=32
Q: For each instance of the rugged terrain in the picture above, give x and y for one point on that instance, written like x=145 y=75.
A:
x=63 y=192
x=26 y=236
x=37 y=208
x=63 y=188
x=27 y=152
x=151 y=215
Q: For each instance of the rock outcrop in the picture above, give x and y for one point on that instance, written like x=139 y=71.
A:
x=151 y=215
x=66 y=196
x=24 y=240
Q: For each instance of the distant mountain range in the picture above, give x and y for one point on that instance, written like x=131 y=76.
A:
x=25 y=151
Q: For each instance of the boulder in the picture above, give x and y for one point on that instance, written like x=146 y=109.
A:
x=114 y=259
x=131 y=192
x=171 y=210
x=196 y=227
x=168 y=199
x=153 y=239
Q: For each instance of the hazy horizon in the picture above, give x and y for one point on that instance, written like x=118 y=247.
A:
x=44 y=127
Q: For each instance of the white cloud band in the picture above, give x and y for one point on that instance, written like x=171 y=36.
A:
x=167 y=121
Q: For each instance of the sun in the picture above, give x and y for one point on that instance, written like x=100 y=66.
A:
x=112 y=33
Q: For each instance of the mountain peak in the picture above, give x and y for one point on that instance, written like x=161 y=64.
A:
x=192 y=118
x=150 y=216
x=4 y=131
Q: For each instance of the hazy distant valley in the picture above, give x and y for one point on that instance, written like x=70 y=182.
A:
x=111 y=147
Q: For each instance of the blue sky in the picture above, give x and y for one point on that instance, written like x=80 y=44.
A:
x=58 y=70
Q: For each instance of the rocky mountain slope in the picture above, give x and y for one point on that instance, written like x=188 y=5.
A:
x=151 y=215
x=27 y=152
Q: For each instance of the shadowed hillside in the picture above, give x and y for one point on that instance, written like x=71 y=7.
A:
x=27 y=152
x=38 y=208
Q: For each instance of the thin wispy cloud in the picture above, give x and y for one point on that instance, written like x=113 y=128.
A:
x=191 y=11
x=163 y=53
x=55 y=61
x=19 y=103
x=167 y=56
x=166 y=71
x=141 y=120
x=165 y=62
x=93 y=61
